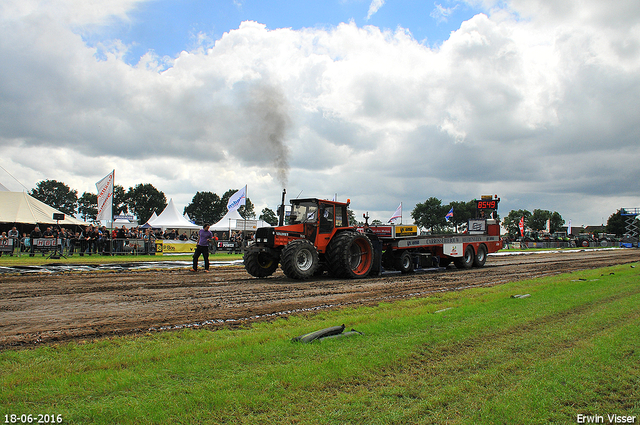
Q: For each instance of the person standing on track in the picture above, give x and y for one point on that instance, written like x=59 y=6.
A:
x=202 y=247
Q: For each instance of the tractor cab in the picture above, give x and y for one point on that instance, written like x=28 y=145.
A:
x=317 y=219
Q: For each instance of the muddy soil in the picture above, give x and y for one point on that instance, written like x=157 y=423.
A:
x=40 y=309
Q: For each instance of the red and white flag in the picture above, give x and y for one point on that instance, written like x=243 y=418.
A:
x=522 y=226
x=397 y=215
x=105 y=197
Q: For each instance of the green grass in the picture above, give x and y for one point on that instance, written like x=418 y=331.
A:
x=568 y=349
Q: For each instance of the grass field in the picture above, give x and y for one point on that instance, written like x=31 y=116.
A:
x=477 y=356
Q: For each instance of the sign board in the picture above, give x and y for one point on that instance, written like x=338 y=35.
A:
x=46 y=243
x=477 y=226
x=393 y=231
x=226 y=246
x=178 y=246
x=453 y=249
x=6 y=245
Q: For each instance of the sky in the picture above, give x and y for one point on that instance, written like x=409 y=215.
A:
x=379 y=101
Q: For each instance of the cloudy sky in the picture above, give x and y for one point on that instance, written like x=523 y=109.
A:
x=379 y=101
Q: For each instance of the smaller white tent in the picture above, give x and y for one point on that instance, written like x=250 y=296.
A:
x=233 y=221
x=171 y=218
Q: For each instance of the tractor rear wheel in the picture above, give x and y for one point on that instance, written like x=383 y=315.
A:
x=299 y=259
x=350 y=255
x=260 y=264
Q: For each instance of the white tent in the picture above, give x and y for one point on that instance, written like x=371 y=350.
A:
x=232 y=220
x=20 y=207
x=171 y=218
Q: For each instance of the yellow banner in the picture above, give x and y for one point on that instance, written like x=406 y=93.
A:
x=171 y=246
x=406 y=230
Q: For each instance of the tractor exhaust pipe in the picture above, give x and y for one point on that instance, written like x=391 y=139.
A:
x=281 y=222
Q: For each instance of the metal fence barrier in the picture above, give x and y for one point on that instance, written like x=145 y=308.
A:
x=81 y=247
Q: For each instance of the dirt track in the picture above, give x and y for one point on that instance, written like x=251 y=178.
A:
x=45 y=308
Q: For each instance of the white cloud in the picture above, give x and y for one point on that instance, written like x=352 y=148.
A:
x=441 y=13
x=374 y=7
x=536 y=107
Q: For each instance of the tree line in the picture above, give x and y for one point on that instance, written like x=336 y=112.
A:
x=431 y=213
x=141 y=200
x=207 y=207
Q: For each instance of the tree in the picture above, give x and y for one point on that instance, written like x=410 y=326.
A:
x=88 y=206
x=143 y=200
x=539 y=218
x=57 y=195
x=556 y=222
x=430 y=214
x=512 y=221
x=616 y=224
x=269 y=216
x=119 y=200
x=205 y=207
x=352 y=217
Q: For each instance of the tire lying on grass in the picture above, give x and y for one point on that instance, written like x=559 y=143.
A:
x=322 y=333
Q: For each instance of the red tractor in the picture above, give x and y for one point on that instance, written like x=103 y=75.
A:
x=317 y=238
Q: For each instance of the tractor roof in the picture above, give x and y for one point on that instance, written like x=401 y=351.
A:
x=299 y=200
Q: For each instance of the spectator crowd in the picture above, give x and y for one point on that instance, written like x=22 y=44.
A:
x=98 y=240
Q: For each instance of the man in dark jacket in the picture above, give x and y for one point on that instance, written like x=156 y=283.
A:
x=35 y=234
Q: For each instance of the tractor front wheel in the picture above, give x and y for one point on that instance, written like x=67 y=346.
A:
x=260 y=264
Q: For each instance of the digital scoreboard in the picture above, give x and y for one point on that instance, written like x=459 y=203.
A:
x=487 y=204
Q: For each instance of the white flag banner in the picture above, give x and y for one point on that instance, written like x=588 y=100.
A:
x=237 y=199
x=105 y=197
x=396 y=215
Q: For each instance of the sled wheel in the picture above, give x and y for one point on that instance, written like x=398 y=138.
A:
x=403 y=262
x=481 y=256
x=466 y=261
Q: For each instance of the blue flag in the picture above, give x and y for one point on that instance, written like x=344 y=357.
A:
x=449 y=215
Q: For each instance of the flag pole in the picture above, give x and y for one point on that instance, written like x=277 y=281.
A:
x=113 y=191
